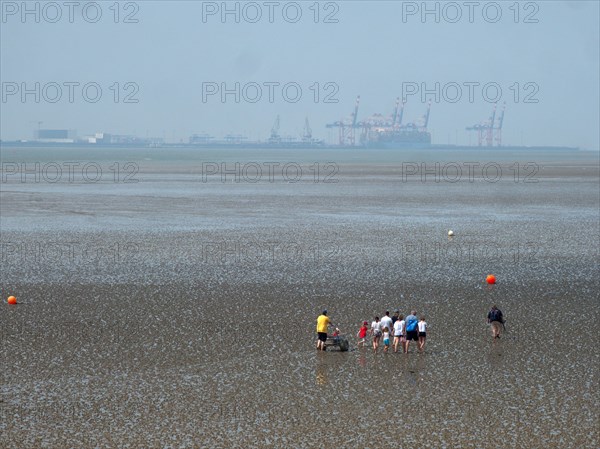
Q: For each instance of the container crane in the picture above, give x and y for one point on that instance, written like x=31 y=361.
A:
x=485 y=131
x=480 y=128
x=347 y=130
x=426 y=118
x=355 y=113
x=490 y=129
x=499 y=128
x=395 y=116
x=401 y=114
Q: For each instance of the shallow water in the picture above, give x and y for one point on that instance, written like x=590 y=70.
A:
x=174 y=312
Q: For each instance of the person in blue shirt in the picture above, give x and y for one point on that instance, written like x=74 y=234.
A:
x=411 y=329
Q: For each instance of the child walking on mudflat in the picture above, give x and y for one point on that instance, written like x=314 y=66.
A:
x=386 y=339
x=362 y=334
x=376 y=333
x=422 y=333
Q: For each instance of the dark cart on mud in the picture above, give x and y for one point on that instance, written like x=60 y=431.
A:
x=339 y=341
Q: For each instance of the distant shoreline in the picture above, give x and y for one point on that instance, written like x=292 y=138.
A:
x=266 y=145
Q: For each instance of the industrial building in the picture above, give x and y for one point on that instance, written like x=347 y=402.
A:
x=55 y=135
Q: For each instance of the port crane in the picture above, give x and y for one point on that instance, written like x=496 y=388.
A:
x=395 y=116
x=378 y=128
x=420 y=125
x=307 y=136
x=490 y=129
x=401 y=114
x=347 y=127
x=485 y=131
x=307 y=133
x=499 y=128
x=275 y=137
x=426 y=118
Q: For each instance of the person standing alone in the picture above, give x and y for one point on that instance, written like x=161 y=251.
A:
x=496 y=320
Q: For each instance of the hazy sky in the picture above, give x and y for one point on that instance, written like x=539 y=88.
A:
x=545 y=51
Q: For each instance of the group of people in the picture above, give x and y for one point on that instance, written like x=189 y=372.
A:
x=402 y=329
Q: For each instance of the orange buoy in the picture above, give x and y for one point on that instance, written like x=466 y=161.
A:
x=12 y=300
x=490 y=279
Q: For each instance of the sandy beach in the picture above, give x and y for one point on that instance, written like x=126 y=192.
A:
x=179 y=310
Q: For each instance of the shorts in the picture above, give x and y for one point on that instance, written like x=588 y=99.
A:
x=386 y=341
x=412 y=335
x=397 y=336
x=322 y=336
x=422 y=335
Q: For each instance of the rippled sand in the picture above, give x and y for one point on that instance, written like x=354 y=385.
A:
x=175 y=313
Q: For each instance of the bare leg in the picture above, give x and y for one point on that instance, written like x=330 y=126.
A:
x=495 y=329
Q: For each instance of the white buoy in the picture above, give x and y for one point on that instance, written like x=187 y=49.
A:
x=450 y=233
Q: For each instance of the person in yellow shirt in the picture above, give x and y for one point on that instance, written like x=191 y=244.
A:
x=323 y=322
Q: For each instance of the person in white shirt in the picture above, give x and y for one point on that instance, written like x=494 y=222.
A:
x=376 y=332
x=398 y=332
x=386 y=321
x=422 y=333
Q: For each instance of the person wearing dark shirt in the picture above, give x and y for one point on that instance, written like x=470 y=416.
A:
x=496 y=321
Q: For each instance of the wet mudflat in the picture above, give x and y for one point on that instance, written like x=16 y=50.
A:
x=173 y=312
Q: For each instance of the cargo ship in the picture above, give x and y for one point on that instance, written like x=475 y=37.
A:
x=401 y=138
